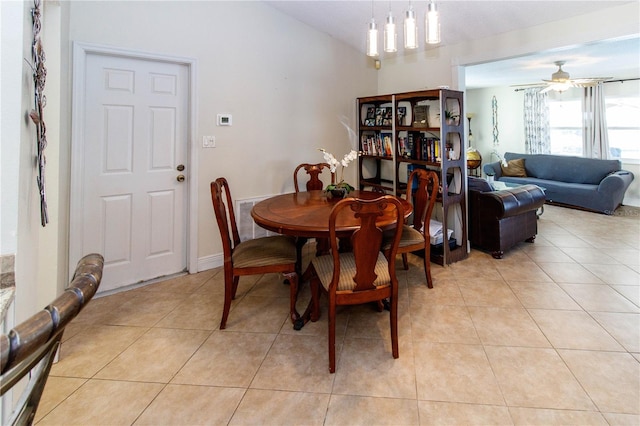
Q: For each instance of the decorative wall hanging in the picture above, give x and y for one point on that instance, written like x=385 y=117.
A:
x=39 y=78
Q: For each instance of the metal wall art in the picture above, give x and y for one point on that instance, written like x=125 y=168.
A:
x=39 y=78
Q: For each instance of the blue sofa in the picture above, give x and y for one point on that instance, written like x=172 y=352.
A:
x=586 y=183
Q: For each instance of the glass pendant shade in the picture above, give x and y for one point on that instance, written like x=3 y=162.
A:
x=432 y=24
x=410 y=30
x=372 y=39
x=390 y=35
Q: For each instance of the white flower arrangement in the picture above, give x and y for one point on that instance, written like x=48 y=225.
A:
x=333 y=165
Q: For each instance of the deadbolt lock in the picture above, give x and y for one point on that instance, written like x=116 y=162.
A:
x=180 y=167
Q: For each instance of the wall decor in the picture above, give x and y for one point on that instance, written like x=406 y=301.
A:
x=39 y=78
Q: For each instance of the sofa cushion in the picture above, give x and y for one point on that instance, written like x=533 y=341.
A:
x=514 y=168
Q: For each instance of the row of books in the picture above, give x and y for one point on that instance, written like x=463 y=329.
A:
x=377 y=144
x=419 y=147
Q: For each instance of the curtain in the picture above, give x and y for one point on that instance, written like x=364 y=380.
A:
x=536 y=122
x=595 y=137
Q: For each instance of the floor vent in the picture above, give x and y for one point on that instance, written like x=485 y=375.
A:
x=247 y=228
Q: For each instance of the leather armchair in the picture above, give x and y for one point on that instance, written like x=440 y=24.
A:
x=498 y=220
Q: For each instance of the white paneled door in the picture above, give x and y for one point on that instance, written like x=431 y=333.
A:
x=134 y=168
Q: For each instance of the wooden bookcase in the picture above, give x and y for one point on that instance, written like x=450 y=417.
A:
x=421 y=135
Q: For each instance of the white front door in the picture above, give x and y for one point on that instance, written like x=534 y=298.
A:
x=133 y=207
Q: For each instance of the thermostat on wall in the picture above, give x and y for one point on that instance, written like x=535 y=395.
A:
x=224 y=119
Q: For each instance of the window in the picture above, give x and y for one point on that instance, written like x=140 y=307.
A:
x=565 y=133
x=622 y=122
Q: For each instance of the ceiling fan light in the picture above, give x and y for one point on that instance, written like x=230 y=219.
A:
x=432 y=24
x=390 y=35
x=372 y=39
x=410 y=30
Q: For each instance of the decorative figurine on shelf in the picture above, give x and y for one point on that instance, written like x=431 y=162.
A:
x=342 y=188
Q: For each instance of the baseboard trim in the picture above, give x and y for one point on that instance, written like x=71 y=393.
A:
x=209 y=262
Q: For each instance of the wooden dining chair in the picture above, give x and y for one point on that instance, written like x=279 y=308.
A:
x=415 y=234
x=313 y=171
x=252 y=257
x=313 y=184
x=362 y=275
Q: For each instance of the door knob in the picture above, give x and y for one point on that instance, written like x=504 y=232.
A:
x=180 y=178
x=180 y=167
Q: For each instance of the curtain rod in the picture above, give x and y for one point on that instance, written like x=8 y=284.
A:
x=604 y=81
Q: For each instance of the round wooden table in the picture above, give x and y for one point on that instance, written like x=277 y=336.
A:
x=306 y=215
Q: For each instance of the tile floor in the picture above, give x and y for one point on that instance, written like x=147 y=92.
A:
x=548 y=335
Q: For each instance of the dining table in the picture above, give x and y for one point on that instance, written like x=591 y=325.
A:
x=306 y=215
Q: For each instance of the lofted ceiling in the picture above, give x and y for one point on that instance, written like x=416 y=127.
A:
x=463 y=21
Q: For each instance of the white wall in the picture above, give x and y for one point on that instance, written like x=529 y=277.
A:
x=285 y=84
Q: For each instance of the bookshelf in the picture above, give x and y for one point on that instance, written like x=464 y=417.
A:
x=425 y=130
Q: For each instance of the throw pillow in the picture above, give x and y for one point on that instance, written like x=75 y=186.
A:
x=515 y=168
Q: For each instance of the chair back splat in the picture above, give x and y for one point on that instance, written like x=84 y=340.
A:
x=362 y=275
x=314 y=171
x=252 y=257
x=30 y=348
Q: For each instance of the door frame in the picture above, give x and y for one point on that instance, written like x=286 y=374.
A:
x=80 y=52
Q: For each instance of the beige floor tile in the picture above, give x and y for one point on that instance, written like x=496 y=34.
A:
x=104 y=402
x=258 y=314
x=542 y=295
x=602 y=298
x=574 y=330
x=450 y=324
x=143 y=309
x=539 y=253
x=591 y=255
x=455 y=373
x=296 y=363
x=56 y=390
x=611 y=379
x=628 y=256
x=192 y=405
x=631 y=292
x=197 y=312
x=507 y=327
x=138 y=361
x=536 y=378
x=563 y=241
x=625 y=328
x=484 y=268
x=446 y=292
x=483 y=292
x=264 y=407
x=541 y=417
x=522 y=271
x=620 y=274
x=449 y=413
x=365 y=321
x=89 y=351
x=366 y=367
x=569 y=273
x=187 y=283
x=364 y=410
x=226 y=359
x=622 y=419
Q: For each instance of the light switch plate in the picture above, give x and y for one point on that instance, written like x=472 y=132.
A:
x=208 y=141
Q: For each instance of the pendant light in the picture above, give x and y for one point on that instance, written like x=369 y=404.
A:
x=410 y=29
x=390 y=34
x=372 y=36
x=432 y=24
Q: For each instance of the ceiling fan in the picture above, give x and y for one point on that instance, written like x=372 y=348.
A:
x=561 y=81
